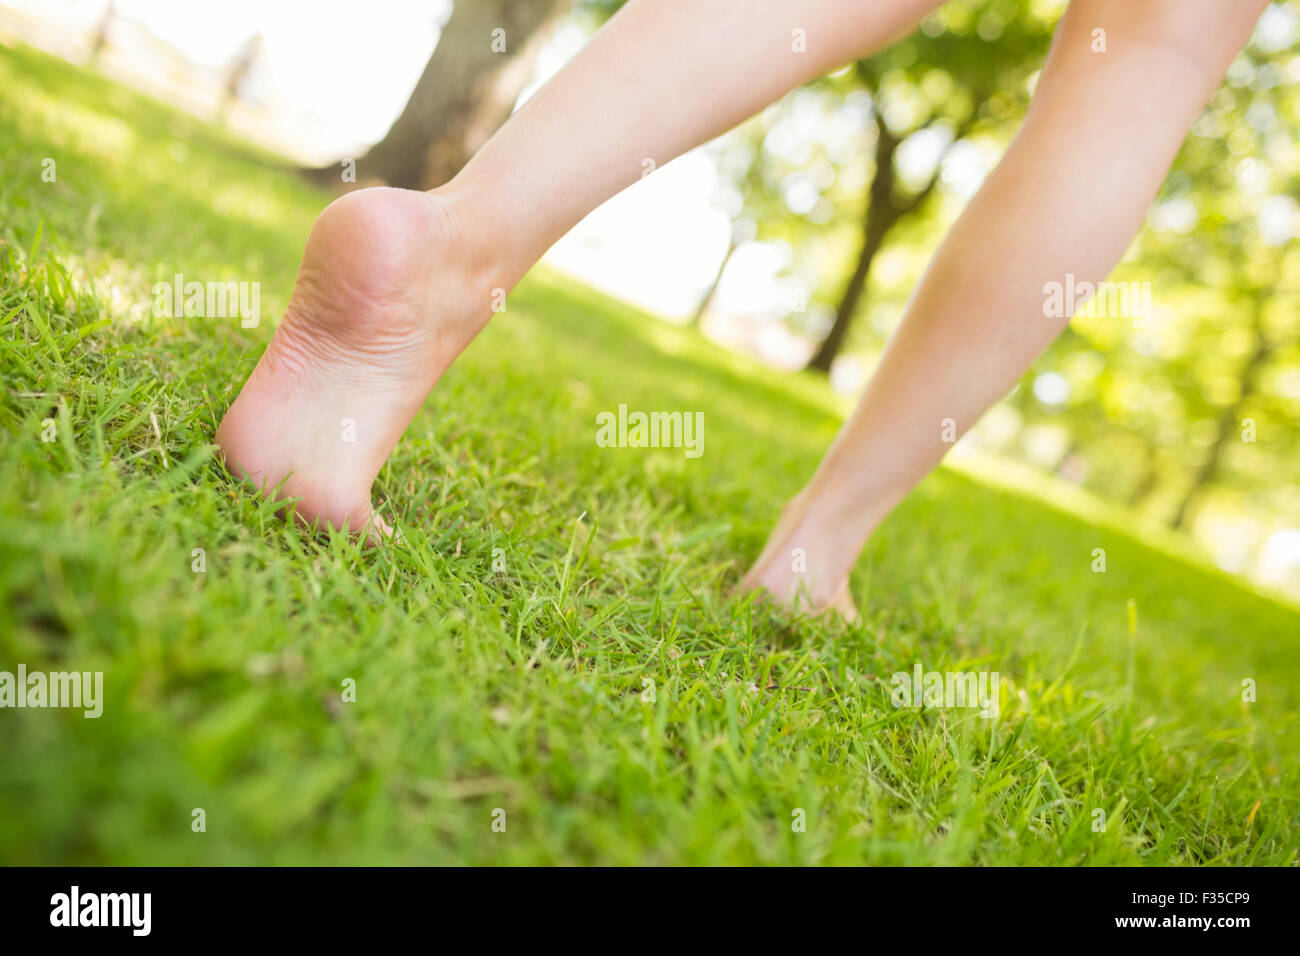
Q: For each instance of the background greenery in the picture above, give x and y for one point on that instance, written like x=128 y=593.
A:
x=855 y=174
x=522 y=690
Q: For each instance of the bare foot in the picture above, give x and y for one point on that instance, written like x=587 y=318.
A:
x=803 y=567
x=386 y=298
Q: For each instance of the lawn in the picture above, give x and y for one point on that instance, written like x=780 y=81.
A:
x=501 y=654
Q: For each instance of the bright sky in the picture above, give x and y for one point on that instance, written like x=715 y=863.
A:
x=351 y=63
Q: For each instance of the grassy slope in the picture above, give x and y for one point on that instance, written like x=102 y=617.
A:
x=521 y=690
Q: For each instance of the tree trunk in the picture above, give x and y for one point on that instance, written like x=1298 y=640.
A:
x=99 y=40
x=713 y=289
x=1149 y=481
x=241 y=65
x=1229 y=421
x=484 y=58
x=881 y=214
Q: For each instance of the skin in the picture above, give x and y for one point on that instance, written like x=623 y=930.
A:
x=394 y=284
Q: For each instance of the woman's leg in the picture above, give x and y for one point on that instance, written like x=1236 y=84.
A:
x=1068 y=197
x=395 y=283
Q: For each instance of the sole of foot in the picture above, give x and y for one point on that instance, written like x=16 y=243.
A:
x=385 y=300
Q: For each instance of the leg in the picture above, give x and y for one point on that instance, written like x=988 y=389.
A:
x=395 y=283
x=1068 y=197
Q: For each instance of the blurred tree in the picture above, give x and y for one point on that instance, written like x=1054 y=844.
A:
x=1228 y=425
x=742 y=231
x=103 y=27
x=969 y=65
x=1239 y=174
x=237 y=74
x=783 y=173
x=483 y=60
x=1192 y=410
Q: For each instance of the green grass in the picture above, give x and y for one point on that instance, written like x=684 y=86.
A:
x=522 y=689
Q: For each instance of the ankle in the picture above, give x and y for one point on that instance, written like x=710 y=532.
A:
x=484 y=254
x=836 y=521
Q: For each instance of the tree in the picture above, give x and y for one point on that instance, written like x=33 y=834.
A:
x=967 y=66
x=237 y=74
x=741 y=232
x=1188 y=412
x=884 y=209
x=484 y=58
x=1229 y=421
